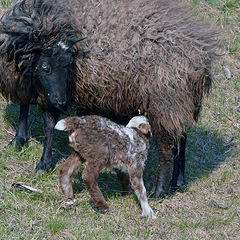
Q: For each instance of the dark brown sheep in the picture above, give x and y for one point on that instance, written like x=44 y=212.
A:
x=146 y=56
x=103 y=143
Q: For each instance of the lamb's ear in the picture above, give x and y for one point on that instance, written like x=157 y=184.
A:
x=144 y=128
x=61 y=125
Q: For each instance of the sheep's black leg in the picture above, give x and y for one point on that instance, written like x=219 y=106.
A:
x=165 y=146
x=22 y=132
x=50 y=119
x=176 y=168
x=178 y=177
x=182 y=161
x=165 y=170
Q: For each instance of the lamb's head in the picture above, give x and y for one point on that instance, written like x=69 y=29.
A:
x=141 y=123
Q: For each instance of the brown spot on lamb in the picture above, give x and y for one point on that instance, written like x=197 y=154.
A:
x=103 y=143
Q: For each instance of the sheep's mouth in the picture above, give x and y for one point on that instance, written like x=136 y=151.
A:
x=62 y=109
x=59 y=107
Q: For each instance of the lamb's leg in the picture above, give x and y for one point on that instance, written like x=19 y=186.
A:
x=68 y=169
x=22 y=131
x=136 y=179
x=124 y=179
x=89 y=176
x=50 y=118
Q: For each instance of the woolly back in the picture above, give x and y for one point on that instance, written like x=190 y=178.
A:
x=150 y=55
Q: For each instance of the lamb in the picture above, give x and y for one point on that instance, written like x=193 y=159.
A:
x=103 y=143
x=142 y=56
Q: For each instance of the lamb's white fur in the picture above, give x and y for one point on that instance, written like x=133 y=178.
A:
x=60 y=125
x=136 y=121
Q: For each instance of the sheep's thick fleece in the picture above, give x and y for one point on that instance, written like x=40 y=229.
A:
x=147 y=56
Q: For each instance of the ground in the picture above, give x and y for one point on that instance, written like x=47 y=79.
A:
x=208 y=208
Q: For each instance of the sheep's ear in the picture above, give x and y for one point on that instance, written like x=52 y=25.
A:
x=72 y=41
x=36 y=49
x=144 y=128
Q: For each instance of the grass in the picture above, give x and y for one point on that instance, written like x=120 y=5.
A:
x=207 y=209
x=6 y=3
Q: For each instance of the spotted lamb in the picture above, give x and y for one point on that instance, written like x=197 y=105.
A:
x=103 y=143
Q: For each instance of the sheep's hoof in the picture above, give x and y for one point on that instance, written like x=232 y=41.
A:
x=125 y=193
x=178 y=188
x=44 y=166
x=156 y=196
x=38 y=173
x=18 y=143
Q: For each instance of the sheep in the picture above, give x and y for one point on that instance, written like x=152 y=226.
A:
x=136 y=57
x=103 y=143
x=30 y=40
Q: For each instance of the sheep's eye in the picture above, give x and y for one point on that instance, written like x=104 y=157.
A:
x=45 y=67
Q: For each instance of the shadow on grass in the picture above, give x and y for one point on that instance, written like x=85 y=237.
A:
x=36 y=129
x=204 y=153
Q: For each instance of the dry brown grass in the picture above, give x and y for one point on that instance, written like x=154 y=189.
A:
x=207 y=209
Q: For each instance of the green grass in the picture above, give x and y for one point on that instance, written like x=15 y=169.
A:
x=6 y=3
x=207 y=209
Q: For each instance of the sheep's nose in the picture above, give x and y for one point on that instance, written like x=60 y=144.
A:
x=61 y=102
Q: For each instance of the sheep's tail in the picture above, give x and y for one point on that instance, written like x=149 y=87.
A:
x=70 y=123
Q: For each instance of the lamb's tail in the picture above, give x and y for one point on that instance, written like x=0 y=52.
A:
x=70 y=123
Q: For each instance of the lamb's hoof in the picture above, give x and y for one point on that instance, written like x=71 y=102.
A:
x=103 y=209
x=149 y=215
x=18 y=143
x=69 y=203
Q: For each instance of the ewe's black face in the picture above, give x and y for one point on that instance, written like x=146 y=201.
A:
x=52 y=72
